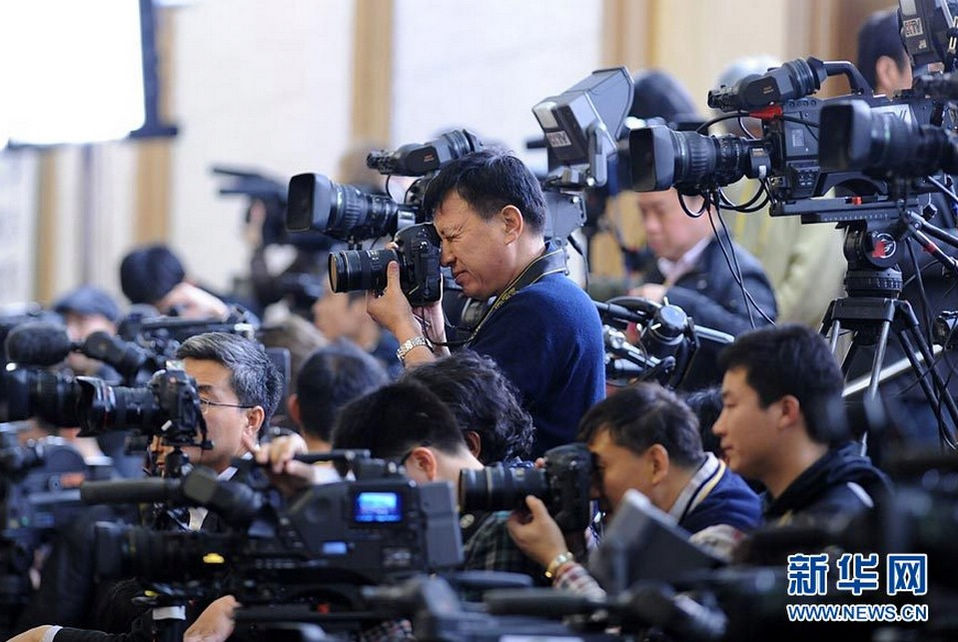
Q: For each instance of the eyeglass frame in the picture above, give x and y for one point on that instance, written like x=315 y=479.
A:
x=206 y=404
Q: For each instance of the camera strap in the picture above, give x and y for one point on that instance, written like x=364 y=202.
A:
x=551 y=261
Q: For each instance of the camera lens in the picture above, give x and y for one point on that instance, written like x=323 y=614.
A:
x=662 y=158
x=25 y=392
x=355 y=270
x=341 y=211
x=500 y=488
x=103 y=407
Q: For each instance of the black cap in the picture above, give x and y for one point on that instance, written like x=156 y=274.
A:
x=147 y=274
x=87 y=299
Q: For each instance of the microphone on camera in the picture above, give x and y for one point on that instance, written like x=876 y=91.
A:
x=38 y=343
x=125 y=357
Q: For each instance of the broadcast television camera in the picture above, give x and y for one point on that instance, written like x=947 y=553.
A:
x=319 y=548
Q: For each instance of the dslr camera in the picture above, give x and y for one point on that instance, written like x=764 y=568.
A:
x=563 y=484
x=417 y=253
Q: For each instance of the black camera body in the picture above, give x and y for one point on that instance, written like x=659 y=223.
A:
x=168 y=406
x=323 y=544
x=564 y=485
x=417 y=253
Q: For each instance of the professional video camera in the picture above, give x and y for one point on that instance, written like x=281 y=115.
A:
x=564 y=485
x=39 y=494
x=316 y=551
x=346 y=213
x=786 y=158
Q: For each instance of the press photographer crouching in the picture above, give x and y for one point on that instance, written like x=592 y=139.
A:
x=783 y=424
x=542 y=330
x=645 y=438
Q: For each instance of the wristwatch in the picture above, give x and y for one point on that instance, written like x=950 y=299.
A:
x=409 y=344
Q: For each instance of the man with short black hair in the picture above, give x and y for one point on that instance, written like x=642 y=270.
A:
x=542 y=330
x=330 y=378
x=882 y=58
x=407 y=423
x=644 y=438
x=783 y=424
x=484 y=402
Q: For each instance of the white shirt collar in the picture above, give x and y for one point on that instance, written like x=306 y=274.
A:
x=674 y=270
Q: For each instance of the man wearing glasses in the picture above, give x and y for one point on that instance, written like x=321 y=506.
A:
x=238 y=388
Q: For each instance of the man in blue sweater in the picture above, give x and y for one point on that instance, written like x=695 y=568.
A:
x=645 y=438
x=542 y=330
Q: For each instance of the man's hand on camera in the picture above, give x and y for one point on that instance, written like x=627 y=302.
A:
x=391 y=309
x=536 y=533
x=284 y=472
x=215 y=623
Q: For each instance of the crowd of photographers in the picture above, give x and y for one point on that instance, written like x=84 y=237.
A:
x=385 y=431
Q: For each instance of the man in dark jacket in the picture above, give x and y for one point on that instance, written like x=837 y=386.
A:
x=782 y=423
x=645 y=438
x=693 y=272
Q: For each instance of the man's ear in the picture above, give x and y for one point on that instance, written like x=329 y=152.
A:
x=473 y=442
x=887 y=72
x=659 y=458
x=512 y=221
x=791 y=410
x=424 y=460
x=254 y=421
x=292 y=409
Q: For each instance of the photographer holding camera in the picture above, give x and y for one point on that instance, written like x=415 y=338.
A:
x=645 y=438
x=542 y=330
x=239 y=389
x=783 y=424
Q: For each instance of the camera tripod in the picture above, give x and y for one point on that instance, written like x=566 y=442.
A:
x=872 y=310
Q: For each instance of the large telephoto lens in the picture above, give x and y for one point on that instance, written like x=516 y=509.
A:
x=662 y=158
x=354 y=270
x=105 y=408
x=341 y=211
x=132 y=551
x=29 y=392
x=883 y=141
x=500 y=488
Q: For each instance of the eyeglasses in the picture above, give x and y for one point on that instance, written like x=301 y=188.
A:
x=206 y=404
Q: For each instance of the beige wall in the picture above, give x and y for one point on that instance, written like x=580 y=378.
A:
x=272 y=86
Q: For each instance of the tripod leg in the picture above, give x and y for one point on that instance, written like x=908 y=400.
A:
x=833 y=335
x=879 y=359
x=939 y=393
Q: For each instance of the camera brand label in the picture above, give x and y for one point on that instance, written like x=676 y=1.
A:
x=912 y=28
x=558 y=139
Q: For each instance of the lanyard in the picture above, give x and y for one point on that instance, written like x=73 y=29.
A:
x=552 y=261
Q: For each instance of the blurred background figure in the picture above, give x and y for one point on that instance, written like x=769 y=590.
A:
x=154 y=275
x=86 y=310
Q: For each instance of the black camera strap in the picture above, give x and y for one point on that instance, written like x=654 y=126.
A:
x=551 y=261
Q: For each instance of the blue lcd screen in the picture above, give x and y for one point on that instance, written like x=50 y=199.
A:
x=377 y=507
